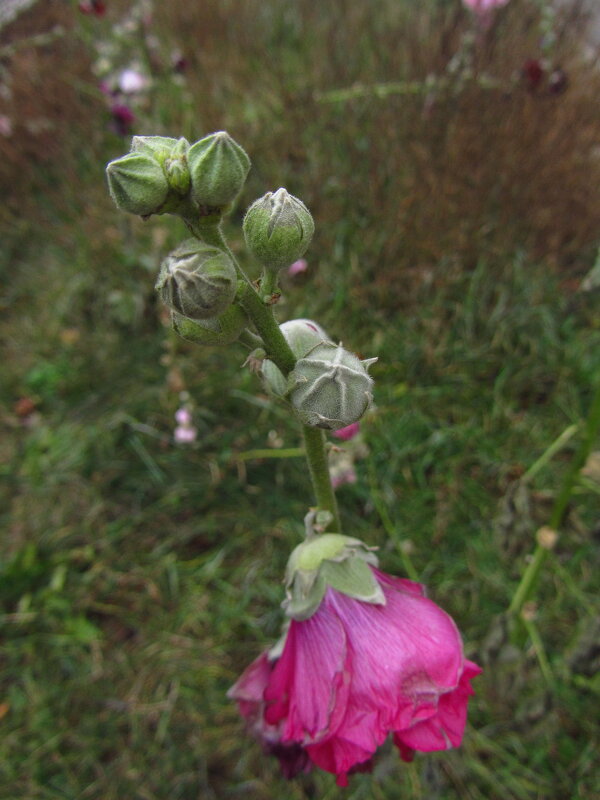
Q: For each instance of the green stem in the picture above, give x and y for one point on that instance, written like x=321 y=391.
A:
x=314 y=446
x=534 y=568
x=278 y=350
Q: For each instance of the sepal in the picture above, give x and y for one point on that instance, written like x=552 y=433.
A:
x=329 y=560
x=220 y=331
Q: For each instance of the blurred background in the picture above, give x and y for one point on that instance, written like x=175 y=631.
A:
x=451 y=160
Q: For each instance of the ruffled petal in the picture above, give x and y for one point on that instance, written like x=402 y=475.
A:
x=404 y=655
x=446 y=728
x=309 y=684
x=249 y=688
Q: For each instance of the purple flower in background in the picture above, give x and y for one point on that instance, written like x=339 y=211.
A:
x=297 y=267
x=123 y=118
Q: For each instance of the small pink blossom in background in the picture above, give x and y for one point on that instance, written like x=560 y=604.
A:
x=298 y=267
x=484 y=10
x=6 y=126
x=185 y=435
x=343 y=477
x=353 y=673
x=484 y=6
x=347 y=433
x=131 y=81
x=183 y=416
x=185 y=432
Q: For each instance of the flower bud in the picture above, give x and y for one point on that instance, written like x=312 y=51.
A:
x=329 y=559
x=218 y=168
x=176 y=168
x=197 y=280
x=330 y=387
x=137 y=183
x=221 y=330
x=301 y=335
x=278 y=228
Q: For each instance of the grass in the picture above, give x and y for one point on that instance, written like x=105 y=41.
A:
x=138 y=578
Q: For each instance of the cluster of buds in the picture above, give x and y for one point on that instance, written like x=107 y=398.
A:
x=162 y=175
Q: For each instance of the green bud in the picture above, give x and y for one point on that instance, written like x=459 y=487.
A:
x=330 y=387
x=221 y=330
x=137 y=184
x=301 y=335
x=176 y=168
x=278 y=228
x=329 y=559
x=197 y=280
x=218 y=168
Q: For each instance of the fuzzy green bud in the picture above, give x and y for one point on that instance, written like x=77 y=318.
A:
x=329 y=559
x=218 y=169
x=197 y=280
x=137 y=184
x=221 y=330
x=330 y=387
x=301 y=335
x=278 y=229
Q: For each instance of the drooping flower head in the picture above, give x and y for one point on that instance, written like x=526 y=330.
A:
x=365 y=655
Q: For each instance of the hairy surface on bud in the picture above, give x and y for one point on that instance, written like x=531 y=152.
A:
x=330 y=387
x=218 y=169
x=301 y=335
x=197 y=280
x=278 y=228
x=221 y=330
x=176 y=167
x=137 y=183
x=160 y=147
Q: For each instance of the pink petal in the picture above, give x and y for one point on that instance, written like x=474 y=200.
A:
x=297 y=267
x=310 y=682
x=347 y=433
x=446 y=728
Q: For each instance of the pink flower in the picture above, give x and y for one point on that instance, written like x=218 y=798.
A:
x=131 y=81
x=347 y=433
x=183 y=416
x=484 y=6
x=342 y=476
x=185 y=434
x=354 y=672
x=297 y=267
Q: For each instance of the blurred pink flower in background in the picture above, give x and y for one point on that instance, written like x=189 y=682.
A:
x=297 y=267
x=484 y=6
x=347 y=433
x=354 y=672
x=131 y=81
x=185 y=432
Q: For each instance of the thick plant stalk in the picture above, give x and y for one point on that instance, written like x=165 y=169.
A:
x=280 y=353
